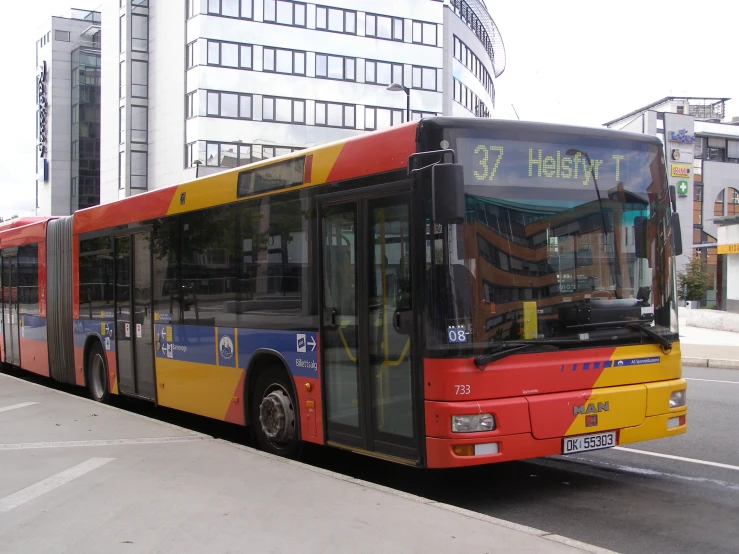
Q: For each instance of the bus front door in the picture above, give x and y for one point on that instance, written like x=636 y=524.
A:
x=366 y=360
x=11 y=318
x=133 y=309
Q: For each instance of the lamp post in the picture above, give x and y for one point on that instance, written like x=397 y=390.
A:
x=397 y=87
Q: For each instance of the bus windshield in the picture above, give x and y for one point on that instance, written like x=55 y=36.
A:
x=566 y=240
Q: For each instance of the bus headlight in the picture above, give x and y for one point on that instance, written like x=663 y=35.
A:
x=472 y=423
x=677 y=399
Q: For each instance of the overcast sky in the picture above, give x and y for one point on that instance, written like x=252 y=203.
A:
x=580 y=61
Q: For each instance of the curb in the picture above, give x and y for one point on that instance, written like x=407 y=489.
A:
x=711 y=362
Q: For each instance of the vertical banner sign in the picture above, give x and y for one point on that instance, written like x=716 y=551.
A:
x=42 y=120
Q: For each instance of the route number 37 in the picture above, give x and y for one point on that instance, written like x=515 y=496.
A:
x=463 y=390
x=488 y=166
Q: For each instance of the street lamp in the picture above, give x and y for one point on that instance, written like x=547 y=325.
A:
x=397 y=87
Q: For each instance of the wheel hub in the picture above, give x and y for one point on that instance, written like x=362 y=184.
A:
x=277 y=416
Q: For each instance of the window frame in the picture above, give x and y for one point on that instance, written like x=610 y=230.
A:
x=345 y=12
x=393 y=65
x=393 y=20
x=219 y=115
x=292 y=61
x=239 y=47
x=345 y=60
x=344 y=107
x=220 y=10
x=392 y=112
x=294 y=5
x=423 y=42
x=292 y=101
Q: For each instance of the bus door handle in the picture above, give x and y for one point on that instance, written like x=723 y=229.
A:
x=329 y=317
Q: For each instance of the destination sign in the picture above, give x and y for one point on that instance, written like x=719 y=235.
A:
x=509 y=162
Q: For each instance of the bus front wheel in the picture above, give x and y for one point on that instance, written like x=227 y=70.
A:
x=274 y=413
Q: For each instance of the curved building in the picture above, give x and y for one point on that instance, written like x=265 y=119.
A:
x=203 y=85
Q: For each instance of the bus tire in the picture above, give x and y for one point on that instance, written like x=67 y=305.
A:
x=274 y=414
x=97 y=374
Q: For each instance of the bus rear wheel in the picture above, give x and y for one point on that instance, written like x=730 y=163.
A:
x=274 y=414
x=97 y=374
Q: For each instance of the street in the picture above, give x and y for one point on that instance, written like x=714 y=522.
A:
x=620 y=499
x=674 y=495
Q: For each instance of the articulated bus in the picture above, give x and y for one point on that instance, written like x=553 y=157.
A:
x=444 y=293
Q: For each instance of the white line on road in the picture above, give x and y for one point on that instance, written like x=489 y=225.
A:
x=678 y=458
x=102 y=442
x=711 y=380
x=55 y=481
x=16 y=406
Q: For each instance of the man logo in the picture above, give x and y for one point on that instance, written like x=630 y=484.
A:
x=591 y=408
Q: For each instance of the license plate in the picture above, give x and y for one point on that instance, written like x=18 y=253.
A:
x=583 y=443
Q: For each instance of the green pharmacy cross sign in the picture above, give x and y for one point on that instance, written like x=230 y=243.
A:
x=682 y=188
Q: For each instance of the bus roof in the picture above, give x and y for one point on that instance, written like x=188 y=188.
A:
x=358 y=156
x=534 y=127
x=24 y=234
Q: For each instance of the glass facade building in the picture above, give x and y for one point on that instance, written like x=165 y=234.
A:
x=235 y=81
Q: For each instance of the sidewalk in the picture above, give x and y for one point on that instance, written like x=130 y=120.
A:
x=709 y=347
x=82 y=477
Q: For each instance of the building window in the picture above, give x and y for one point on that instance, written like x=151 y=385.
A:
x=284 y=61
x=716 y=149
x=230 y=54
x=62 y=36
x=139 y=33
x=381 y=118
x=192 y=8
x=383 y=73
x=424 y=78
x=283 y=110
x=228 y=104
x=139 y=79
x=424 y=33
x=329 y=114
x=732 y=151
x=191 y=104
x=470 y=100
x=139 y=124
x=243 y=9
x=465 y=56
x=336 y=67
x=284 y=12
x=216 y=154
x=122 y=80
x=336 y=20
x=381 y=26
x=138 y=170
x=192 y=55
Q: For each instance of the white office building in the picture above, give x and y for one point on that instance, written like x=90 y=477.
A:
x=68 y=113
x=203 y=85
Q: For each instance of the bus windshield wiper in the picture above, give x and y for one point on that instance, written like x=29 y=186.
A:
x=505 y=349
x=636 y=325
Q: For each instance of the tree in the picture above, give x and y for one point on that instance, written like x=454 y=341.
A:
x=693 y=279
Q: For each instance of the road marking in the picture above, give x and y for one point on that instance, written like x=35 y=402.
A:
x=678 y=458
x=711 y=380
x=47 y=485
x=102 y=442
x=16 y=406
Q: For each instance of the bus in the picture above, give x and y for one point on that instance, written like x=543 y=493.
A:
x=448 y=292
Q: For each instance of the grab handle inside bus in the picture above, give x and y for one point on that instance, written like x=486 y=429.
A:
x=447 y=185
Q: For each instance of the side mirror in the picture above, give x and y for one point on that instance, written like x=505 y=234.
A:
x=447 y=186
x=640 y=237
x=673 y=198
x=677 y=237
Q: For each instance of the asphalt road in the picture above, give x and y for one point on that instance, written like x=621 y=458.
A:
x=626 y=500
